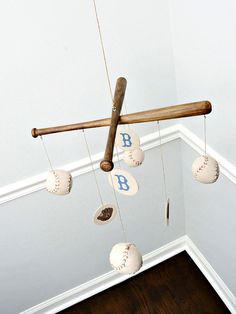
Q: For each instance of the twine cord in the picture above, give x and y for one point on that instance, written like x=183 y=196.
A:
x=46 y=152
x=118 y=209
x=94 y=173
x=103 y=51
x=113 y=107
x=162 y=161
x=118 y=157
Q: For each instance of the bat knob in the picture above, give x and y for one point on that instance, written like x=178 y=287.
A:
x=106 y=165
x=34 y=132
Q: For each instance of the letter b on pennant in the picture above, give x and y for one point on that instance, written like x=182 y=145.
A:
x=126 y=139
x=123 y=182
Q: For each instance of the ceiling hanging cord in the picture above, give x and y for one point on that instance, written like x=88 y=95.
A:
x=103 y=50
x=106 y=67
x=46 y=152
x=94 y=173
x=113 y=108
x=167 y=206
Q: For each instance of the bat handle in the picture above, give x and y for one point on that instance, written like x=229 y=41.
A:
x=107 y=164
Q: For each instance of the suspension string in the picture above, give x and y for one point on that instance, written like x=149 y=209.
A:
x=103 y=50
x=118 y=209
x=113 y=108
x=46 y=152
x=162 y=161
x=205 y=134
x=125 y=107
x=117 y=153
x=94 y=173
x=126 y=111
x=167 y=205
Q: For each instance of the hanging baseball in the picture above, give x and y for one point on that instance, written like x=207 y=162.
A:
x=127 y=139
x=59 y=182
x=125 y=258
x=134 y=158
x=205 y=169
x=123 y=182
x=104 y=214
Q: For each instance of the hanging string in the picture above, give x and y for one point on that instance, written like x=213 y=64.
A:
x=46 y=152
x=167 y=208
x=113 y=108
x=126 y=112
x=125 y=107
x=117 y=153
x=162 y=161
x=205 y=133
x=103 y=49
x=94 y=173
x=106 y=68
x=118 y=209
x=105 y=61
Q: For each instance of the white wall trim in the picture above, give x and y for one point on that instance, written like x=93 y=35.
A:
x=105 y=281
x=101 y=283
x=217 y=283
x=36 y=183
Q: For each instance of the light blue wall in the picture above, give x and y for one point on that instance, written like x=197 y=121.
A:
x=210 y=219
x=49 y=243
x=52 y=73
x=203 y=34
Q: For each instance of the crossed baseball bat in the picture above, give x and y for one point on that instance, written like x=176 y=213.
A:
x=165 y=113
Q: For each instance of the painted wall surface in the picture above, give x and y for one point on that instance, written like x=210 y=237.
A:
x=49 y=243
x=210 y=219
x=203 y=34
x=52 y=73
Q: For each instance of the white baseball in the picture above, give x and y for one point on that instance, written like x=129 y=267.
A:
x=205 y=169
x=125 y=258
x=59 y=182
x=133 y=158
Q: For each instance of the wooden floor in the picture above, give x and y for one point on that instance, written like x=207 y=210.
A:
x=174 y=286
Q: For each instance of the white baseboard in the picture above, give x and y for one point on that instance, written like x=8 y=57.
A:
x=217 y=283
x=177 y=131
x=105 y=281
x=151 y=259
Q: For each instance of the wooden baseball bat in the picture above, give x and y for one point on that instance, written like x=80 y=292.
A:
x=165 y=113
x=107 y=164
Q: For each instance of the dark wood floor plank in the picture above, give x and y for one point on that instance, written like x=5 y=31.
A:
x=175 y=286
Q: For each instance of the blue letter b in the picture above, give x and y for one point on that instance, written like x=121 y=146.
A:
x=122 y=182
x=126 y=140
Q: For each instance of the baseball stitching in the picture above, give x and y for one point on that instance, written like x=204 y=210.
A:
x=57 y=184
x=125 y=255
x=69 y=184
x=137 y=163
x=203 y=166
